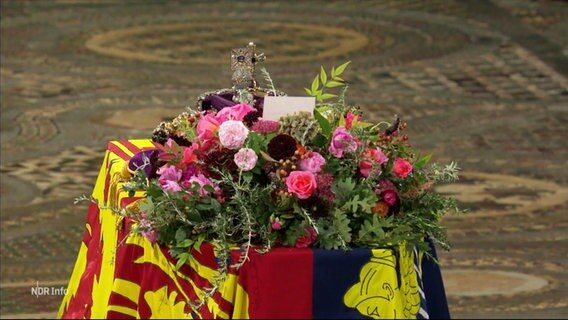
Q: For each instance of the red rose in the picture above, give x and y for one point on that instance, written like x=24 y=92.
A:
x=307 y=238
x=402 y=167
x=301 y=183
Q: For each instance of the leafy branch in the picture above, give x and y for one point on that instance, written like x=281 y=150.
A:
x=323 y=81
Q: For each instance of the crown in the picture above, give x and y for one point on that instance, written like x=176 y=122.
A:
x=245 y=88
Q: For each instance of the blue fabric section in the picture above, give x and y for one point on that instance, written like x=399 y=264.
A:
x=343 y=268
x=434 y=287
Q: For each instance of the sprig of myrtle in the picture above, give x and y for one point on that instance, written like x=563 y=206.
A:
x=322 y=81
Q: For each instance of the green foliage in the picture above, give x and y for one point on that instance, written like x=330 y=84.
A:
x=323 y=81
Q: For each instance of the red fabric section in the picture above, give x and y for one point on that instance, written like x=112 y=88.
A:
x=80 y=304
x=116 y=299
x=112 y=147
x=118 y=315
x=264 y=276
x=130 y=146
x=106 y=187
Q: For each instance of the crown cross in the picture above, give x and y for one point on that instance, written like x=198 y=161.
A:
x=243 y=61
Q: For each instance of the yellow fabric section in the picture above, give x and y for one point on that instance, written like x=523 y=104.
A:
x=153 y=255
x=128 y=289
x=378 y=293
x=164 y=305
x=108 y=220
x=81 y=262
x=124 y=310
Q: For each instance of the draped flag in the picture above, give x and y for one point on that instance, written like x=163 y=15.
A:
x=121 y=275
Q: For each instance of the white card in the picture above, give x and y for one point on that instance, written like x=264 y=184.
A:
x=276 y=107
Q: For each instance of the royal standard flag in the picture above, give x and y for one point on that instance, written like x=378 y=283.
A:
x=121 y=275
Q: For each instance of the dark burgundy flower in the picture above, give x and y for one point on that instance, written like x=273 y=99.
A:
x=318 y=207
x=282 y=146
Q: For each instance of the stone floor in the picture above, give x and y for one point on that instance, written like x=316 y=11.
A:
x=484 y=83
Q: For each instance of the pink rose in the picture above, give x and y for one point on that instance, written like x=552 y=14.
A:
x=342 y=142
x=390 y=197
x=371 y=158
x=236 y=112
x=246 y=159
x=301 y=183
x=307 y=238
x=402 y=167
x=349 y=117
x=232 y=134
x=312 y=164
x=207 y=126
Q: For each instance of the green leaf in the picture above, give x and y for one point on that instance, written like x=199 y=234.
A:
x=182 y=259
x=422 y=162
x=315 y=84
x=197 y=244
x=209 y=188
x=180 y=235
x=319 y=141
x=247 y=177
x=333 y=84
x=323 y=76
x=203 y=207
x=185 y=243
x=327 y=96
x=323 y=122
x=339 y=70
x=309 y=92
x=267 y=157
x=146 y=205
x=215 y=205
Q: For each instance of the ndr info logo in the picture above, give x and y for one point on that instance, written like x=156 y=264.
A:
x=48 y=291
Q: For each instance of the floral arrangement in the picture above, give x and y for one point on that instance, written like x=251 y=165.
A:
x=326 y=180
